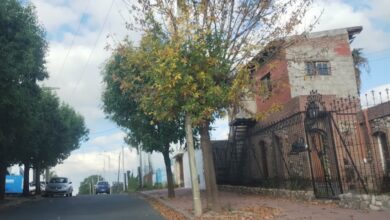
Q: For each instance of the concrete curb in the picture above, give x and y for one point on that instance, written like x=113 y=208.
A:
x=167 y=205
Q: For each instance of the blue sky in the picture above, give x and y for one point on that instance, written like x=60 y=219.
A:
x=79 y=30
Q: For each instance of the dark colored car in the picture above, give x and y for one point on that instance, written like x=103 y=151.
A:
x=102 y=187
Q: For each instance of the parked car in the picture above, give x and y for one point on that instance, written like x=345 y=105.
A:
x=33 y=187
x=102 y=187
x=59 y=186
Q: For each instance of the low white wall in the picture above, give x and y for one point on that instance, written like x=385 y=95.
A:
x=199 y=167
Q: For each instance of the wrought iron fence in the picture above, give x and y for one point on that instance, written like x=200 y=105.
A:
x=332 y=147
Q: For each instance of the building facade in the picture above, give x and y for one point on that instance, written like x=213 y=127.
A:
x=314 y=134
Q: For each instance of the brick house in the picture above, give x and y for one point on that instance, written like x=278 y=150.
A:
x=319 y=139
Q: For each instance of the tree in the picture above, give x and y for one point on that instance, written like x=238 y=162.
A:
x=86 y=186
x=54 y=130
x=360 y=64
x=50 y=174
x=59 y=130
x=201 y=70
x=141 y=129
x=23 y=47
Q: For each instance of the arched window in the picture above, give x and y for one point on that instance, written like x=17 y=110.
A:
x=384 y=151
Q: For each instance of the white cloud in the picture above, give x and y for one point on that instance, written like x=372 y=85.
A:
x=108 y=139
x=220 y=129
x=54 y=15
x=379 y=9
x=339 y=14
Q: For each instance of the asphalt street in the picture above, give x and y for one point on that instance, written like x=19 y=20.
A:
x=99 y=207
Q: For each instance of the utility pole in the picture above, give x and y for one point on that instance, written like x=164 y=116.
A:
x=109 y=166
x=123 y=168
x=140 y=172
x=119 y=165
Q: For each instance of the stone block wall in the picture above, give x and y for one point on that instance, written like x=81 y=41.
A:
x=364 y=201
x=348 y=200
x=279 y=193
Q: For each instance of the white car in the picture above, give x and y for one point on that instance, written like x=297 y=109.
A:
x=59 y=186
x=33 y=187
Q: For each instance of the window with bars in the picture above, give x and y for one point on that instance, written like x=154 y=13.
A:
x=317 y=68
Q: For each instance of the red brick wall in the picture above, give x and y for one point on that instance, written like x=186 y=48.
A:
x=280 y=84
x=342 y=48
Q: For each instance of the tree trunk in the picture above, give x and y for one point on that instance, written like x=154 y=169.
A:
x=167 y=161
x=47 y=174
x=26 y=179
x=3 y=172
x=37 y=181
x=193 y=171
x=208 y=166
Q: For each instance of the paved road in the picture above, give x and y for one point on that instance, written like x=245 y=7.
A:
x=100 y=207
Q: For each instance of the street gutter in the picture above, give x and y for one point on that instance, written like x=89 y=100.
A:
x=166 y=205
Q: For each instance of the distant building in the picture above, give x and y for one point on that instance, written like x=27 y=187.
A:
x=181 y=169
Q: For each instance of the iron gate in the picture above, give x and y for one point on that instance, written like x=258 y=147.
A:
x=322 y=153
x=331 y=148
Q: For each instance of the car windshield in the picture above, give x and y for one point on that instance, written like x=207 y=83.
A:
x=59 y=180
x=102 y=183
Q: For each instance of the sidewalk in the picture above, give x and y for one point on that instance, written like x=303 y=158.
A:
x=238 y=206
x=11 y=201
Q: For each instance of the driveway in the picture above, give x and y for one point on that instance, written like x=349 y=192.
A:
x=104 y=207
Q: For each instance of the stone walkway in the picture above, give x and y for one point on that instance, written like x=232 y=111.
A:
x=238 y=206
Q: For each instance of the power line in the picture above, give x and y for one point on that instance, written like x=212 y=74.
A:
x=378 y=51
x=74 y=37
x=379 y=59
x=94 y=47
x=103 y=131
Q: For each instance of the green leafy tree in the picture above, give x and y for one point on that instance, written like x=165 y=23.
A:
x=55 y=130
x=62 y=131
x=142 y=129
x=23 y=47
x=132 y=182
x=87 y=185
x=199 y=71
